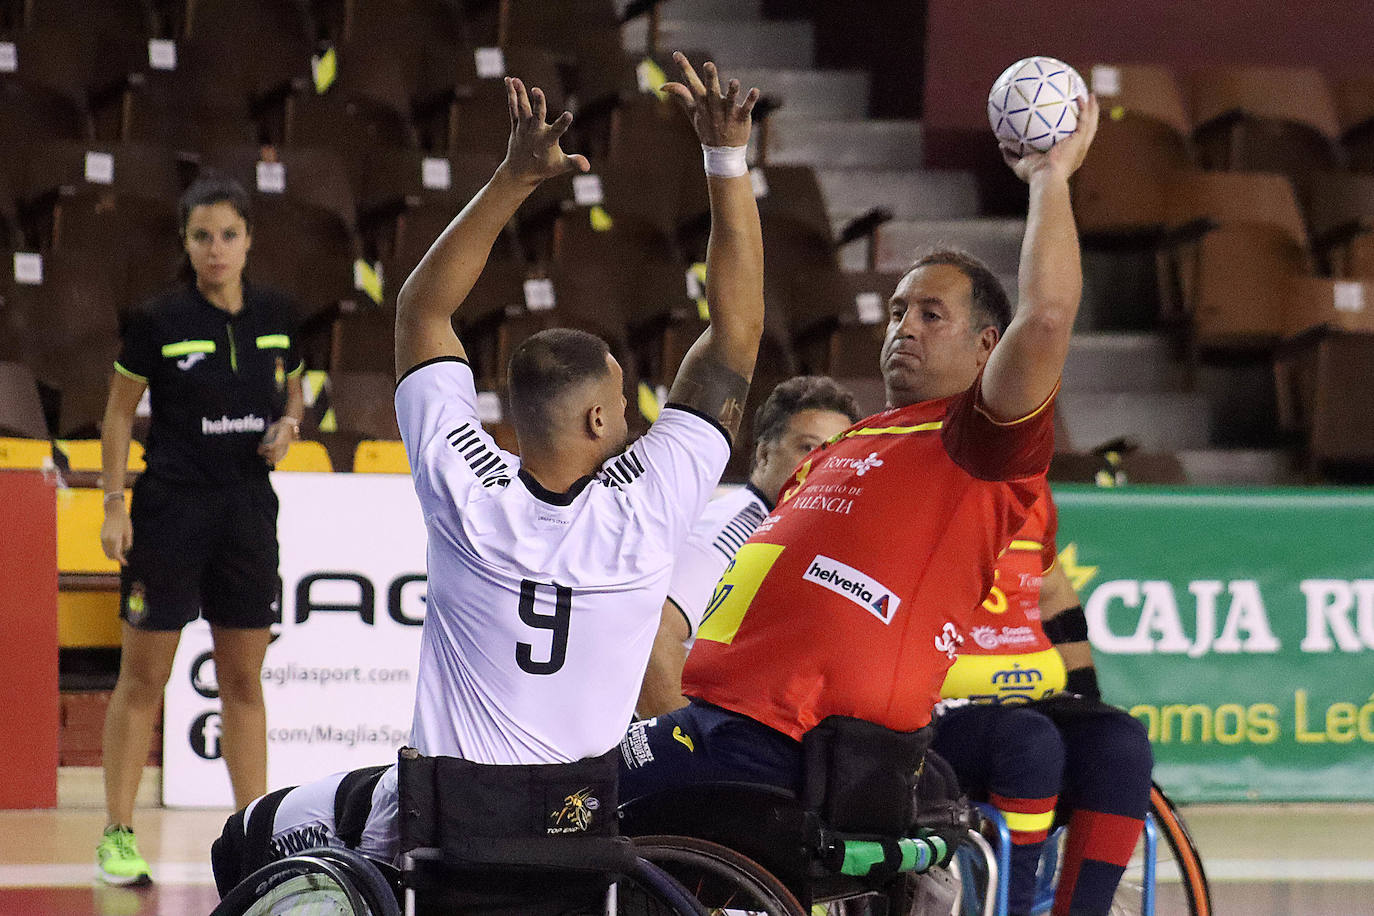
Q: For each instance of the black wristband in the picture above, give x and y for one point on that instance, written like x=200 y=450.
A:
x=1083 y=681
x=1067 y=626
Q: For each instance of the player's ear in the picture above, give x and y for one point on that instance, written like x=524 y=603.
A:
x=761 y=454
x=596 y=422
x=987 y=339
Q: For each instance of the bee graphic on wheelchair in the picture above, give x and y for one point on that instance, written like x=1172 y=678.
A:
x=576 y=814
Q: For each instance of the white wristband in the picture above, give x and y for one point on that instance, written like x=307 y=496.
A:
x=725 y=161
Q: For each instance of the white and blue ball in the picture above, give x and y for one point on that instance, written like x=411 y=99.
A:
x=1031 y=106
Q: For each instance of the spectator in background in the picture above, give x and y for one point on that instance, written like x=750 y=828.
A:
x=798 y=416
x=218 y=359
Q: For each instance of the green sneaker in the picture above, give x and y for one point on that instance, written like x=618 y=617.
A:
x=117 y=859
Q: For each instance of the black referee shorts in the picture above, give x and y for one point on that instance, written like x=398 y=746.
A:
x=208 y=551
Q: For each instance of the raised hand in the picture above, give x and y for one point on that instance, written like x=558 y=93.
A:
x=720 y=119
x=533 y=154
x=1067 y=155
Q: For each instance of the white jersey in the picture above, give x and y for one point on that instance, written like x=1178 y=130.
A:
x=722 y=529
x=542 y=607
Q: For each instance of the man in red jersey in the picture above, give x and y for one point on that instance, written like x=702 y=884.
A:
x=1024 y=728
x=852 y=597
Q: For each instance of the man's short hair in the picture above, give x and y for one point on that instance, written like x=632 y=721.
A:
x=546 y=366
x=805 y=392
x=991 y=307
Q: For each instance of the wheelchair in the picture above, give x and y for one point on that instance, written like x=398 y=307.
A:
x=860 y=837
x=983 y=867
x=844 y=842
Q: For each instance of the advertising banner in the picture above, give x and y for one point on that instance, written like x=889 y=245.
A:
x=1238 y=626
x=339 y=679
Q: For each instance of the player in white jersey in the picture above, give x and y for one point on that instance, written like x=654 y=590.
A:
x=547 y=572
x=796 y=417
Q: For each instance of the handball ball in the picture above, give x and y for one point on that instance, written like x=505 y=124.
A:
x=1031 y=106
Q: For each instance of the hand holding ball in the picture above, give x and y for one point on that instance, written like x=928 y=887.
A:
x=1033 y=105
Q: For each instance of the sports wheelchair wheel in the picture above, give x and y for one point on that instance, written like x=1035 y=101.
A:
x=1176 y=860
x=720 y=878
x=320 y=882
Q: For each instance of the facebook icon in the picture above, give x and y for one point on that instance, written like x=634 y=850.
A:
x=204 y=736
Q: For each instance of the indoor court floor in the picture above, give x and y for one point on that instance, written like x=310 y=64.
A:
x=1278 y=860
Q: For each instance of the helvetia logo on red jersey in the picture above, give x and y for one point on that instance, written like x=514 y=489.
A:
x=846 y=581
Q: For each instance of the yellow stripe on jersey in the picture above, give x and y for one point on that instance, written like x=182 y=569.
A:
x=1005 y=678
x=1026 y=545
x=735 y=591
x=187 y=347
x=274 y=342
x=895 y=430
x=1018 y=822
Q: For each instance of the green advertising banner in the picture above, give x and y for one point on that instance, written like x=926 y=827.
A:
x=1238 y=626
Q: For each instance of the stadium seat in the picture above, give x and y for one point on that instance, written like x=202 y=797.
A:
x=1340 y=212
x=139 y=169
x=272 y=40
x=1220 y=198
x=21 y=411
x=1268 y=119
x=826 y=301
x=1354 y=98
x=363 y=404
x=85 y=455
x=1232 y=283
x=315 y=176
x=204 y=103
x=1323 y=387
x=586 y=30
x=364 y=340
x=1141 y=139
x=380 y=457
x=28 y=116
x=109 y=17
x=651 y=136
x=305 y=456
x=1323 y=302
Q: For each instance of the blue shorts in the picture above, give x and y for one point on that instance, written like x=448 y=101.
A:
x=705 y=743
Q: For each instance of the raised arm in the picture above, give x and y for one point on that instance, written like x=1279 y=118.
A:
x=714 y=376
x=447 y=272
x=1025 y=367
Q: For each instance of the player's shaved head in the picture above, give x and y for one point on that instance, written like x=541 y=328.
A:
x=544 y=369
x=991 y=307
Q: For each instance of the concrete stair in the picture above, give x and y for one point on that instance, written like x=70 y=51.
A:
x=1239 y=467
x=910 y=195
x=1112 y=362
x=1160 y=421
x=737 y=43
x=810 y=93
x=844 y=144
x=996 y=241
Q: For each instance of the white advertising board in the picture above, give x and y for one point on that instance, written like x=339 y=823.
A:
x=339 y=679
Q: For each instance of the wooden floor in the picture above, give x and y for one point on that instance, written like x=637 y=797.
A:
x=1270 y=861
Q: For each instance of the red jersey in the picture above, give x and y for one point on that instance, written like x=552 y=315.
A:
x=1007 y=656
x=851 y=597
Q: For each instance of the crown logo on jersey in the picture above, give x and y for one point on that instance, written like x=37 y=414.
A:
x=1017 y=678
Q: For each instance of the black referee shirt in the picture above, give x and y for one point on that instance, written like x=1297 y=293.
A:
x=216 y=381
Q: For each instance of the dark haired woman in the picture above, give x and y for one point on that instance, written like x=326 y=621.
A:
x=222 y=370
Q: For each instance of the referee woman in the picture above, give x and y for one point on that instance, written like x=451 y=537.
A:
x=218 y=359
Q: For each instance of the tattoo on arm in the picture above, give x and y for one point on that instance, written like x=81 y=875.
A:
x=706 y=384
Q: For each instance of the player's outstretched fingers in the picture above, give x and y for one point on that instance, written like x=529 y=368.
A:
x=512 y=103
x=539 y=107
x=746 y=108
x=708 y=69
x=689 y=75
x=522 y=99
